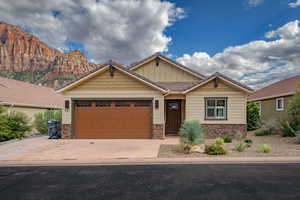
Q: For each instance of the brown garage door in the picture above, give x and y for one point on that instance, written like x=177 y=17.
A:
x=113 y=119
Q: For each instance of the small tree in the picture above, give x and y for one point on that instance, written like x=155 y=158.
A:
x=41 y=119
x=191 y=134
x=253 y=117
x=290 y=127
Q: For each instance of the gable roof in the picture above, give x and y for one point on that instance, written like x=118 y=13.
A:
x=176 y=86
x=168 y=60
x=117 y=66
x=281 y=88
x=13 y=92
x=224 y=78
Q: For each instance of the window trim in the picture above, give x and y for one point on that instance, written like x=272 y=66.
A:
x=259 y=106
x=225 y=108
x=280 y=109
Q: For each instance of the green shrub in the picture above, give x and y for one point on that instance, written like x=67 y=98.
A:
x=270 y=127
x=286 y=130
x=297 y=137
x=191 y=134
x=292 y=125
x=248 y=142
x=219 y=141
x=264 y=148
x=41 y=120
x=13 y=125
x=227 y=139
x=215 y=149
x=260 y=132
x=253 y=116
x=240 y=147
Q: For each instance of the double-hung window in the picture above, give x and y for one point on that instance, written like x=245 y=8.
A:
x=216 y=108
x=280 y=104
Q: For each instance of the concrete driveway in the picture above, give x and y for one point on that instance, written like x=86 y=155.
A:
x=40 y=148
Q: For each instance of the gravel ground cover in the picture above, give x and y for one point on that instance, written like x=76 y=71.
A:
x=281 y=146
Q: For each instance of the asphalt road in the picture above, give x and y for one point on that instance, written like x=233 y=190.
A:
x=243 y=181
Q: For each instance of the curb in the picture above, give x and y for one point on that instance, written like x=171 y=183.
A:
x=151 y=161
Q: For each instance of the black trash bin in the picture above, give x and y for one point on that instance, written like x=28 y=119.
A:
x=54 y=129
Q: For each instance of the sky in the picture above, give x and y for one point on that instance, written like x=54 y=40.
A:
x=256 y=42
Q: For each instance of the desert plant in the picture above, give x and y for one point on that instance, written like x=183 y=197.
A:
x=264 y=148
x=253 y=116
x=292 y=125
x=248 y=142
x=240 y=147
x=219 y=141
x=41 y=119
x=297 y=137
x=13 y=125
x=191 y=134
x=215 y=149
x=260 y=132
x=269 y=127
x=227 y=139
x=286 y=129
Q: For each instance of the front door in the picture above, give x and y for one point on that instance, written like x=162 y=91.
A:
x=173 y=116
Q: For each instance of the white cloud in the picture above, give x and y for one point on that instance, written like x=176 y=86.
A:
x=257 y=63
x=255 y=2
x=109 y=29
x=294 y=4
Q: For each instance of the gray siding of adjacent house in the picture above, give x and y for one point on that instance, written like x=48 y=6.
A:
x=269 y=112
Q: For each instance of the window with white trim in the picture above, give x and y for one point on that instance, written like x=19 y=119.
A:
x=280 y=104
x=215 y=108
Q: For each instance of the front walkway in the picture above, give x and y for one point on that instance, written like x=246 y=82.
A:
x=42 y=149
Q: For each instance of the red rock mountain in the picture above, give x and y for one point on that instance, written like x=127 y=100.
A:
x=25 y=57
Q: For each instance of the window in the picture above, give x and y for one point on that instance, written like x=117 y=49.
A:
x=280 y=104
x=103 y=104
x=84 y=104
x=173 y=106
x=216 y=108
x=122 y=104
x=141 y=104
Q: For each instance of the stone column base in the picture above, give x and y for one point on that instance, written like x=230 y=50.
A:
x=158 y=131
x=66 y=131
x=220 y=130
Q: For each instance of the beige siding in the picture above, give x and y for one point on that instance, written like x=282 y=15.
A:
x=118 y=86
x=29 y=111
x=165 y=72
x=195 y=105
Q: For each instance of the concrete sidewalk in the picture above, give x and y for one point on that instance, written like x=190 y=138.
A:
x=151 y=161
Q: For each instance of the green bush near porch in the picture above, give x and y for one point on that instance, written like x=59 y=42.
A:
x=191 y=134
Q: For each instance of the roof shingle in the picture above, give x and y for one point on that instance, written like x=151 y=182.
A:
x=281 y=88
x=19 y=92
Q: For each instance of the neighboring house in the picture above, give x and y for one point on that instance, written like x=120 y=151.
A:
x=150 y=99
x=273 y=100
x=28 y=98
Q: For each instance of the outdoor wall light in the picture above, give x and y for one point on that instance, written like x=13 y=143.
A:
x=67 y=104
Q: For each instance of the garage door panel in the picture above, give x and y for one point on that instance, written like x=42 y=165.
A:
x=120 y=119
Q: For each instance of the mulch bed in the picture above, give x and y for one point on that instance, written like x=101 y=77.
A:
x=281 y=146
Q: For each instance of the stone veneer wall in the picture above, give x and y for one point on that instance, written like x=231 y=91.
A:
x=66 y=131
x=220 y=130
x=158 y=131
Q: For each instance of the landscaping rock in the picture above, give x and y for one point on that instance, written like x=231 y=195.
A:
x=198 y=148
